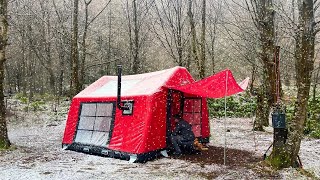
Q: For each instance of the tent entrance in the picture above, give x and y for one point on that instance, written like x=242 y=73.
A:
x=189 y=107
x=192 y=110
x=95 y=123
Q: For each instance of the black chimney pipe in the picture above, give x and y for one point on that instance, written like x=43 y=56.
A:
x=119 y=90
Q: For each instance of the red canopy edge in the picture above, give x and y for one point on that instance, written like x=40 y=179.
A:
x=218 y=85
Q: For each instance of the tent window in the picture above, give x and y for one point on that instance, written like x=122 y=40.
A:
x=86 y=123
x=95 y=123
x=88 y=109
x=192 y=114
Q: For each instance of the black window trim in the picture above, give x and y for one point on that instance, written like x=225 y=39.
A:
x=111 y=124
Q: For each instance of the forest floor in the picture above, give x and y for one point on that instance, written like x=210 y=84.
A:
x=37 y=154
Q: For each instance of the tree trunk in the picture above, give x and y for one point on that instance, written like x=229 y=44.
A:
x=315 y=84
x=213 y=40
x=194 y=43
x=259 y=120
x=24 y=62
x=179 y=39
x=267 y=59
x=253 y=77
x=32 y=78
x=129 y=34
x=202 y=63
x=304 y=63
x=136 y=61
x=263 y=110
x=75 y=85
x=264 y=13
x=83 y=45
x=4 y=140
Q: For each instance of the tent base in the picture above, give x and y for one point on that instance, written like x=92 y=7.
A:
x=105 y=152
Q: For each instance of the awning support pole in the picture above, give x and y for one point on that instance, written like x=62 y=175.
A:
x=225 y=119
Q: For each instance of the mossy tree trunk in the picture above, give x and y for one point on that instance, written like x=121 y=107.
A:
x=4 y=140
x=267 y=38
x=286 y=156
x=263 y=16
x=258 y=123
x=263 y=108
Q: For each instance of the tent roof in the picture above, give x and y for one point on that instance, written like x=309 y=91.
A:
x=177 y=78
x=140 y=84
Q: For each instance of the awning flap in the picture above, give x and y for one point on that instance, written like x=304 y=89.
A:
x=216 y=86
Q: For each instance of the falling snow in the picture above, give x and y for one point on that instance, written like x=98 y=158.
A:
x=38 y=153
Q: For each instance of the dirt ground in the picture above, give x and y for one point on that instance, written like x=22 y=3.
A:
x=215 y=155
x=37 y=154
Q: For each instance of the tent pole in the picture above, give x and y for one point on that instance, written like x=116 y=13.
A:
x=225 y=119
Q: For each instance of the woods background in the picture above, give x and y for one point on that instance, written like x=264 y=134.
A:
x=58 y=47
x=143 y=36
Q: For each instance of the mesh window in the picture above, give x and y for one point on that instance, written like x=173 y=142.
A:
x=86 y=123
x=192 y=114
x=99 y=138
x=102 y=124
x=104 y=109
x=95 y=123
x=83 y=136
x=88 y=109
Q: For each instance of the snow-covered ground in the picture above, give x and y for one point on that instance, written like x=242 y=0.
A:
x=38 y=153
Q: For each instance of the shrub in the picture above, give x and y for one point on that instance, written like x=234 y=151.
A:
x=245 y=106
x=236 y=106
x=312 y=125
x=23 y=99
x=36 y=105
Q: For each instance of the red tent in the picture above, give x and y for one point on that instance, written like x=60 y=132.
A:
x=95 y=125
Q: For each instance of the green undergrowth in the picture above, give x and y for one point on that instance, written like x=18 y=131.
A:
x=40 y=108
x=35 y=104
x=312 y=125
x=242 y=105
x=4 y=145
x=38 y=102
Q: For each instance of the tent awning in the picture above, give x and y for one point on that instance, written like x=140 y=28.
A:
x=216 y=86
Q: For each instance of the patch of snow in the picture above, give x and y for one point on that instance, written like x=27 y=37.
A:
x=39 y=154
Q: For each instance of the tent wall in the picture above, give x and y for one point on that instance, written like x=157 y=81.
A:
x=72 y=122
x=156 y=133
x=130 y=131
x=205 y=129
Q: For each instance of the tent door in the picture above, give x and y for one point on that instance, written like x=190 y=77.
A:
x=174 y=106
x=192 y=110
x=189 y=107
